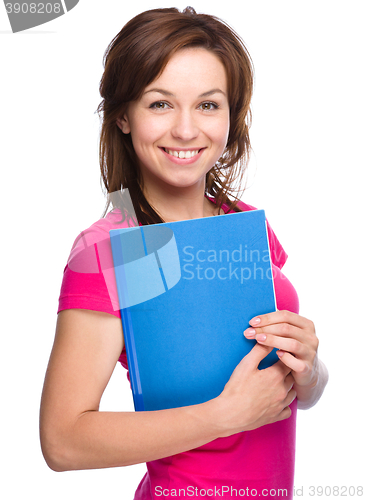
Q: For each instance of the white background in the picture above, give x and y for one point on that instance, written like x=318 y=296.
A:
x=306 y=172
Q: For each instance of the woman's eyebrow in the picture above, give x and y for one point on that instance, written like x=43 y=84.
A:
x=167 y=93
x=160 y=91
x=211 y=92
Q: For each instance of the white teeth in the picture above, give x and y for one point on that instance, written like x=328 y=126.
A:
x=182 y=154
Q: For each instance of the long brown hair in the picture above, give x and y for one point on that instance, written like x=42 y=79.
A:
x=135 y=57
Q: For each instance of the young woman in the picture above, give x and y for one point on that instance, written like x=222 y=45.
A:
x=176 y=106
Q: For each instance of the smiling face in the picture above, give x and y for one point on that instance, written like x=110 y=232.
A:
x=180 y=125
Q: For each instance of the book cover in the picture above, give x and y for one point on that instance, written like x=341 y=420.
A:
x=187 y=291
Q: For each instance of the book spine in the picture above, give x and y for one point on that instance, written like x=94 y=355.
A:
x=132 y=359
x=126 y=322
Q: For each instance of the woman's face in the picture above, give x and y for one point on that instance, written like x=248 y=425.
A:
x=180 y=126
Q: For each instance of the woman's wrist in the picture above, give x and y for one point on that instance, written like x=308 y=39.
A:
x=212 y=418
x=308 y=395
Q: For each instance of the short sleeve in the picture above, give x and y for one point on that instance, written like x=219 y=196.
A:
x=88 y=278
x=85 y=291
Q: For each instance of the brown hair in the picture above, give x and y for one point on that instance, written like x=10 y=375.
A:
x=134 y=59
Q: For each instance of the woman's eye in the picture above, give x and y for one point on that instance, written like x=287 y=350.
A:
x=208 y=106
x=159 y=105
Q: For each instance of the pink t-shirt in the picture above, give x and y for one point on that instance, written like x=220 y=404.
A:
x=252 y=463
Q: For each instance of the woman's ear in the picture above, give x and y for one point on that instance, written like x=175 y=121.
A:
x=123 y=124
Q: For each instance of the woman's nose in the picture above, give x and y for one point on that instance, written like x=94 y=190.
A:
x=185 y=127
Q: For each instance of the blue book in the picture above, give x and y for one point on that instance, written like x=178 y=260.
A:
x=187 y=291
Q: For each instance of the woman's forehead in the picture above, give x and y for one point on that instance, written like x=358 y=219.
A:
x=192 y=69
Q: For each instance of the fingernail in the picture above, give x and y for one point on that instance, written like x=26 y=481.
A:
x=280 y=353
x=260 y=337
x=250 y=332
x=255 y=321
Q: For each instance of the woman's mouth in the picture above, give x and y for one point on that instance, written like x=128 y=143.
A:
x=186 y=154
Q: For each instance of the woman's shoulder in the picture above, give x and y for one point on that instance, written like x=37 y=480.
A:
x=90 y=252
x=97 y=232
x=88 y=280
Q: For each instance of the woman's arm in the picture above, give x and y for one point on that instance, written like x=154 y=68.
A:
x=75 y=435
x=296 y=339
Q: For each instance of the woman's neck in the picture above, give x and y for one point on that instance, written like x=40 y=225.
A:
x=182 y=205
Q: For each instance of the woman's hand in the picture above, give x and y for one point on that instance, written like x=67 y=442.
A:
x=296 y=339
x=252 y=397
